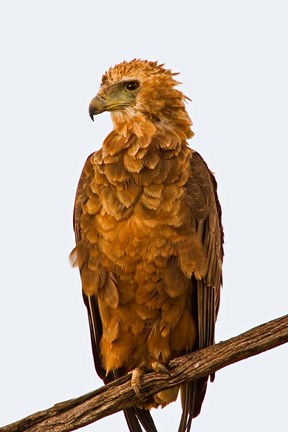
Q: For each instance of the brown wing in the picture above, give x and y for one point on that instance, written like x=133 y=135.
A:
x=205 y=293
x=134 y=416
x=78 y=256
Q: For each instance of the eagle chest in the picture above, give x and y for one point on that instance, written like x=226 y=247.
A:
x=137 y=235
x=138 y=216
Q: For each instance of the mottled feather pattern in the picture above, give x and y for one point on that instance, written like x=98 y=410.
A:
x=149 y=237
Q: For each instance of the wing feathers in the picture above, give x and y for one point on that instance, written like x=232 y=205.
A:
x=95 y=333
x=206 y=217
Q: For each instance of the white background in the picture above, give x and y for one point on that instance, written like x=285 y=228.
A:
x=232 y=56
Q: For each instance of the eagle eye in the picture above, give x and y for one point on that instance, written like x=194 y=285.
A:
x=132 y=85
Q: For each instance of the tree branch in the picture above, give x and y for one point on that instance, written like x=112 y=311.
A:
x=116 y=396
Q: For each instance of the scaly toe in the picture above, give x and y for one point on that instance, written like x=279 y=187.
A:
x=136 y=380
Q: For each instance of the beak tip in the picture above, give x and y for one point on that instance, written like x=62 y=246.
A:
x=97 y=106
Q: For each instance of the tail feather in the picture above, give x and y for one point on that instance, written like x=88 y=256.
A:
x=186 y=405
x=132 y=420
x=134 y=416
x=192 y=398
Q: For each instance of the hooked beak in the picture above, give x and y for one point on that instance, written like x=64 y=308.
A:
x=97 y=106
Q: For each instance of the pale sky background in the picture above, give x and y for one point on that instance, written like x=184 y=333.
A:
x=232 y=56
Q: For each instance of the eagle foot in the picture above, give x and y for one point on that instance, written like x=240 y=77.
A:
x=138 y=372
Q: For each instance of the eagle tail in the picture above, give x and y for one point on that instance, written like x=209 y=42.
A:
x=134 y=416
x=192 y=397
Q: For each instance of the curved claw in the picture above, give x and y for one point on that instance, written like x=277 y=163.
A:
x=160 y=368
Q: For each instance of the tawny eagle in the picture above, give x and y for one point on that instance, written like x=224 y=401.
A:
x=149 y=238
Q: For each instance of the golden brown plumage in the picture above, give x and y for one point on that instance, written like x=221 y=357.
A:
x=149 y=237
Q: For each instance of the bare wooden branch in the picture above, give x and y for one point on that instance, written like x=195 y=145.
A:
x=116 y=396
